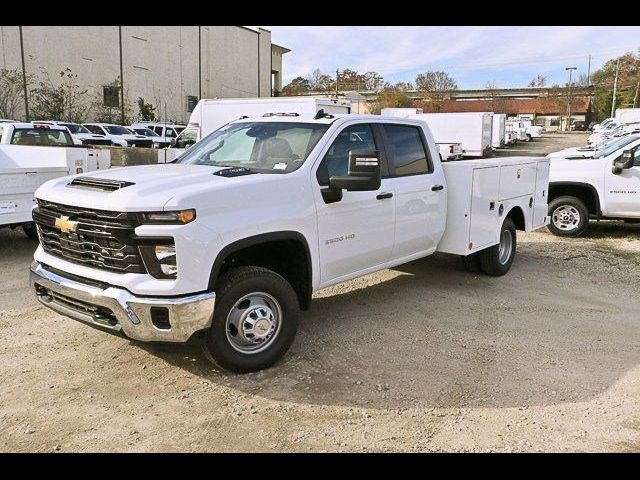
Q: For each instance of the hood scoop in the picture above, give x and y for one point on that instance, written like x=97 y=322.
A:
x=233 y=172
x=103 y=184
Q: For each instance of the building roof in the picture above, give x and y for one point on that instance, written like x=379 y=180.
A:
x=283 y=49
x=539 y=106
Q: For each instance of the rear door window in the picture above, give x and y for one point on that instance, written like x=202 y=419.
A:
x=406 y=150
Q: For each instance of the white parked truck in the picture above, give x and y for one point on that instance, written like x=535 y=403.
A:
x=24 y=168
x=604 y=185
x=450 y=151
x=230 y=241
x=498 y=133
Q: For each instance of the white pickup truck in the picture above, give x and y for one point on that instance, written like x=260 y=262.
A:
x=601 y=184
x=231 y=240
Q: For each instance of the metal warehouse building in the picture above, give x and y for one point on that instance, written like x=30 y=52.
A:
x=169 y=66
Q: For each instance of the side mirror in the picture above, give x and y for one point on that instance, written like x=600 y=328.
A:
x=364 y=173
x=623 y=162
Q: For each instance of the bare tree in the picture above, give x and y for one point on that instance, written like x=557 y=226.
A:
x=11 y=92
x=538 y=81
x=62 y=100
x=112 y=112
x=435 y=87
x=319 y=82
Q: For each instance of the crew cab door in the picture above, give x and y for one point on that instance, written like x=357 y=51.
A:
x=419 y=191
x=355 y=234
x=622 y=190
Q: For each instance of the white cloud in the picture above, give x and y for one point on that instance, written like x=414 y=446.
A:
x=398 y=53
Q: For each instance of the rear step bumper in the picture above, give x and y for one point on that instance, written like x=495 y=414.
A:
x=161 y=319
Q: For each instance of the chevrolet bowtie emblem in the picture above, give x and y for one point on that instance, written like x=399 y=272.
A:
x=65 y=225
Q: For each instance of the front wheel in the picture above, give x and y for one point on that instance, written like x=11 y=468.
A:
x=30 y=231
x=255 y=320
x=496 y=261
x=569 y=216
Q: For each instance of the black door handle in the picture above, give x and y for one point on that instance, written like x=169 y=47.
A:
x=435 y=188
x=382 y=196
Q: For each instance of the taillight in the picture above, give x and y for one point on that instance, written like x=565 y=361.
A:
x=450 y=148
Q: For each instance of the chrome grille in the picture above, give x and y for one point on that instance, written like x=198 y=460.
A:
x=102 y=239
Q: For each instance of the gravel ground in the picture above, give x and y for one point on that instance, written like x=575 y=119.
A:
x=426 y=358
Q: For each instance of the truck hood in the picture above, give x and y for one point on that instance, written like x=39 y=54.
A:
x=149 y=187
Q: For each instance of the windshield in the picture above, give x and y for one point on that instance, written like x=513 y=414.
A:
x=41 y=137
x=146 y=132
x=75 y=128
x=609 y=148
x=187 y=138
x=117 y=130
x=268 y=147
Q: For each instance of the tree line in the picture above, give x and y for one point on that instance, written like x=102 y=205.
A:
x=435 y=87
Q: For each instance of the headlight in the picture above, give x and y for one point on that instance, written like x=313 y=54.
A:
x=176 y=217
x=160 y=260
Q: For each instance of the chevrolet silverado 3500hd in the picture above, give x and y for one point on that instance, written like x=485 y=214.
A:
x=232 y=239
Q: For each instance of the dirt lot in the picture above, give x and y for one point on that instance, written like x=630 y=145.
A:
x=427 y=358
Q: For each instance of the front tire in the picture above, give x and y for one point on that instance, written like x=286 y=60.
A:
x=30 y=231
x=569 y=216
x=254 y=322
x=496 y=261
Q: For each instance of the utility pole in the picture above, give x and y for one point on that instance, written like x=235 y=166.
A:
x=24 y=77
x=571 y=69
x=615 y=89
x=589 y=72
x=121 y=77
x=199 y=62
x=337 y=77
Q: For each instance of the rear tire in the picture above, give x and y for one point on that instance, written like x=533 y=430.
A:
x=471 y=263
x=254 y=322
x=569 y=216
x=496 y=261
x=30 y=231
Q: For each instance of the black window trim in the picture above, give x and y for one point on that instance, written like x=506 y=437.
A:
x=376 y=129
x=425 y=144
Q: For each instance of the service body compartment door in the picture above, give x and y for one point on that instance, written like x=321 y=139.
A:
x=541 y=197
x=517 y=180
x=484 y=207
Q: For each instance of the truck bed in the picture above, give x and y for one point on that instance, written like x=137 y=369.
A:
x=481 y=193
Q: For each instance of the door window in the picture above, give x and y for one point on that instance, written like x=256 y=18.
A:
x=406 y=150
x=336 y=160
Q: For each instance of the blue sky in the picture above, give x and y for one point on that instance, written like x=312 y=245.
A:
x=508 y=56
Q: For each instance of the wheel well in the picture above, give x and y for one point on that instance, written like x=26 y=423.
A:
x=517 y=216
x=586 y=193
x=288 y=257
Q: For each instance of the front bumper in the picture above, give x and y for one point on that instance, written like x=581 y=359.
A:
x=118 y=310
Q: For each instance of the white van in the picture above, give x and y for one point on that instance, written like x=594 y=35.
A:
x=209 y=115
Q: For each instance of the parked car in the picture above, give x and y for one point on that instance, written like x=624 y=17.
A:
x=23 y=133
x=80 y=134
x=578 y=126
x=158 y=141
x=119 y=135
x=167 y=132
x=216 y=246
x=602 y=186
